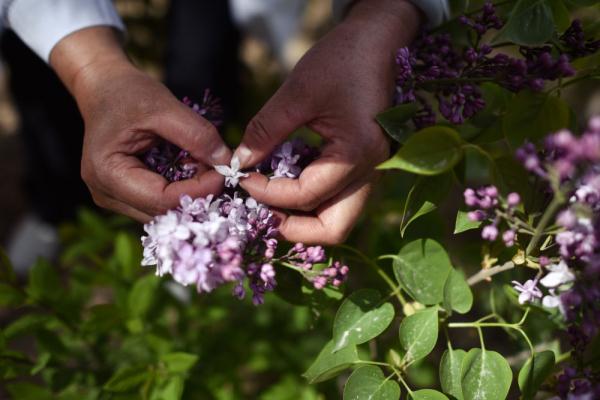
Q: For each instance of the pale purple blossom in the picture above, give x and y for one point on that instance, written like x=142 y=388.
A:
x=231 y=173
x=558 y=275
x=528 y=291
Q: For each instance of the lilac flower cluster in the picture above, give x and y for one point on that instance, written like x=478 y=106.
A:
x=288 y=160
x=454 y=75
x=209 y=242
x=490 y=206
x=172 y=162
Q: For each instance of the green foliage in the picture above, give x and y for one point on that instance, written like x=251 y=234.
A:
x=418 y=334
x=428 y=394
x=534 y=372
x=485 y=374
x=369 y=383
x=463 y=223
x=424 y=197
x=394 y=121
x=451 y=372
x=530 y=23
x=457 y=293
x=430 y=151
x=422 y=267
x=330 y=363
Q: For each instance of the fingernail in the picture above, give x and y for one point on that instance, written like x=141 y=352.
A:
x=244 y=154
x=217 y=155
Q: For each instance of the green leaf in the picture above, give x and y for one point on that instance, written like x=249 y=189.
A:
x=360 y=318
x=329 y=363
x=28 y=323
x=44 y=283
x=127 y=253
x=28 y=391
x=418 y=333
x=450 y=372
x=485 y=374
x=530 y=23
x=532 y=116
x=561 y=15
x=427 y=394
x=369 y=383
x=457 y=293
x=431 y=151
x=41 y=363
x=393 y=121
x=463 y=223
x=534 y=372
x=127 y=379
x=10 y=296
x=142 y=295
x=170 y=388
x=179 y=362
x=422 y=267
x=7 y=272
x=424 y=197
x=102 y=318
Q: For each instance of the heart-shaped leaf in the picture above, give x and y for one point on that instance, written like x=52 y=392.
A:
x=418 y=334
x=485 y=374
x=329 y=363
x=534 y=372
x=457 y=293
x=369 y=383
x=450 y=372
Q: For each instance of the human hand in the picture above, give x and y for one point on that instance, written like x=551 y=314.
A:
x=126 y=112
x=336 y=89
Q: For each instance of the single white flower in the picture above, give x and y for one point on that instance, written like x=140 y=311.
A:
x=528 y=291
x=231 y=173
x=559 y=275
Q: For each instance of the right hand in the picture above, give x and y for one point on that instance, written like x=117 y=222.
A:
x=125 y=113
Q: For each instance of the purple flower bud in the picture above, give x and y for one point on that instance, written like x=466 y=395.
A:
x=490 y=232
x=508 y=238
x=513 y=199
x=476 y=216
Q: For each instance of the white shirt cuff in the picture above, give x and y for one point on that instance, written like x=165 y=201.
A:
x=41 y=24
x=436 y=11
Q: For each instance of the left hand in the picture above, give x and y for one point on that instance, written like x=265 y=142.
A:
x=336 y=89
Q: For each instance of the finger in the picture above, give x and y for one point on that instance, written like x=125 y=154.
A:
x=132 y=183
x=279 y=117
x=105 y=201
x=191 y=132
x=319 y=181
x=332 y=222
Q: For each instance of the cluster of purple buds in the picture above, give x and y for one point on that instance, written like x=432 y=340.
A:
x=172 y=162
x=490 y=206
x=433 y=64
x=309 y=258
x=288 y=160
x=573 y=384
x=565 y=155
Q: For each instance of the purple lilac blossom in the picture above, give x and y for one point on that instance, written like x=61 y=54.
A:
x=172 y=162
x=452 y=75
x=288 y=160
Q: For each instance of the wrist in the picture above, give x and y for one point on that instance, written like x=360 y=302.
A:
x=397 y=20
x=87 y=55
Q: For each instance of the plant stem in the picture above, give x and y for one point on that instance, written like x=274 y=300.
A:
x=488 y=272
x=553 y=207
x=379 y=271
x=399 y=375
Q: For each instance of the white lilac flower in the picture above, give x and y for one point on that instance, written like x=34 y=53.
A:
x=231 y=173
x=559 y=275
x=528 y=291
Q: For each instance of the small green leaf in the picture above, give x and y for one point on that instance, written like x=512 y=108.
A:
x=170 y=388
x=562 y=16
x=418 y=333
x=44 y=283
x=102 y=318
x=427 y=394
x=28 y=391
x=530 y=23
x=431 y=151
x=422 y=267
x=393 y=121
x=142 y=295
x=28 y=323
x=457 y=293
x=424 y=197
x=127 y=253
x=485 y=374
x=7 y=272
x=534 y=372
x=41 y=363
x=179 y=362
x=463 y=223
x=127 y=379
x=450 y=372
x=10 y=296
x=329 y=363
x=532 y=116
x=369 y=383
x=360 y=318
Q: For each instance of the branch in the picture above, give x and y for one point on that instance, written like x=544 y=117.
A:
x=489 y=272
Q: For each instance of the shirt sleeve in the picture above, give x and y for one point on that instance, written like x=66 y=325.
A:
x=436 y=11
x=41 y=24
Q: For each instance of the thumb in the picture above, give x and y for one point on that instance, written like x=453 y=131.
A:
x=278 y=118
x=186 y=129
